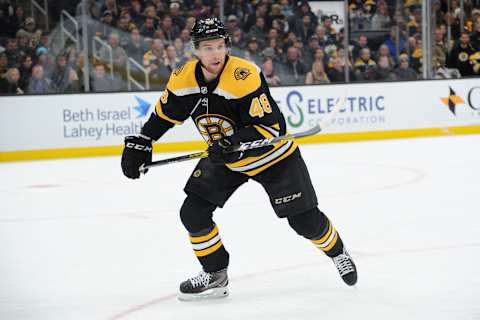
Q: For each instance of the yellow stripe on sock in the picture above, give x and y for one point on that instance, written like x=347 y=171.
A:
x=332 y=243
x=206 y=237
x=325 y=237
x=204 y=252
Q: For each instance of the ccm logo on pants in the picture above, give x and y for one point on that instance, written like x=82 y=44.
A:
x=287 y=199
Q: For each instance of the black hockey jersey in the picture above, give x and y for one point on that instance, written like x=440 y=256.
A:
x=237 y=103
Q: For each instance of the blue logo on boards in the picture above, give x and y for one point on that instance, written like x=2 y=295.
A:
x=142 y=108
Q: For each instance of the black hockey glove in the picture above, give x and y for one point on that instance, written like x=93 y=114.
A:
x=217 y=152
x=137 y=151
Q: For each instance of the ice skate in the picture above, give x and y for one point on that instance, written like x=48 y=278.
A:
x=346 y=267
x=207 y=285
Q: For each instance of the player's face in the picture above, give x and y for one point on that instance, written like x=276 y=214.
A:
x=212 y=54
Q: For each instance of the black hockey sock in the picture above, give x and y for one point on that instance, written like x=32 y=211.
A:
x=329 y=240
x=207 y=246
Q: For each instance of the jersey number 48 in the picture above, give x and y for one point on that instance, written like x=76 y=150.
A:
x=259 y=106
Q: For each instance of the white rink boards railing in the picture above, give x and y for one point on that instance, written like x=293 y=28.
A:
x=53 y=126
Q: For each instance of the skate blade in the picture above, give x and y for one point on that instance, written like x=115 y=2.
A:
x=214 y=293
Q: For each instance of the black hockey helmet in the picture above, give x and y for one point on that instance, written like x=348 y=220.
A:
x=208 y=29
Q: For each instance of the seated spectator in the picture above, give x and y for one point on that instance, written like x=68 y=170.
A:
x=403 y=71
x=10 y=84
x=317 y=75
x=169 y=30
x=110 y=6
x=45 y=39
x=136 y=47
x=414 y=25
x=107 y=26
x=136 y=12
x=275 y=45
x=381 y=18
x=101 y=82
x=417 y=56
x=391 y=42
x=475 y=35
x=23 y=44
x=384 y=71
x=60 y=75
x=319 y=56
x=123 y=30
x=38 y=82
x=336 y=70
x=148 y=28
x=73 y=83
x=187 y=47
x=119 y=55
x=268 y=71
x=31 y=30
x=179 y=49
x=365 y=66
x=293 y=70
x=459 y=56
x=252 y=52
x=358 y=19
x=439 y=50
x=238 y=43
x=361 y=43
x=305 y=9
x=384 y=51
x=25 y=70
x=13 y=55
x=177 y=19
x=155 y=55
x=258 y=32
x=172 y=61
x=306 y=29
x=330 y=31
x=45 y=60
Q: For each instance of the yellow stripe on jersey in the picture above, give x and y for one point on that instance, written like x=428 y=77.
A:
x=256 y=171
x=161 y=114
x=276 y=126
x=263 y=132
x=204 y=238
x=250 y=160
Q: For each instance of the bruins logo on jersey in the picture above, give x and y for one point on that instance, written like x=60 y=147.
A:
x=463 y=56
x=241 y=73
x=178 y=70
x=214 y=127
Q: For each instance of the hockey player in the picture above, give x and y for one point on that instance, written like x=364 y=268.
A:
x=229 y=101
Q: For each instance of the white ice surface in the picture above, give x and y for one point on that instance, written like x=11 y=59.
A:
x=80 y=241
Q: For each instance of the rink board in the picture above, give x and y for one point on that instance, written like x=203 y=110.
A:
x=76 y=125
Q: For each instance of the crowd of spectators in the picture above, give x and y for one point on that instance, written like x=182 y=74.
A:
x=292 y=44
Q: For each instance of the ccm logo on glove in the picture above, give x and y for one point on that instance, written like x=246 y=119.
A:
x=140 y=147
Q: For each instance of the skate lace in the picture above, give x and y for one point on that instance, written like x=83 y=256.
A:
x=343 y=264
x=203 y=279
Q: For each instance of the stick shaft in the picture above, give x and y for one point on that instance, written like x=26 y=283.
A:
x=325 y=122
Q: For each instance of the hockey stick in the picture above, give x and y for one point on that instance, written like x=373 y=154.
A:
x=325 y=122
